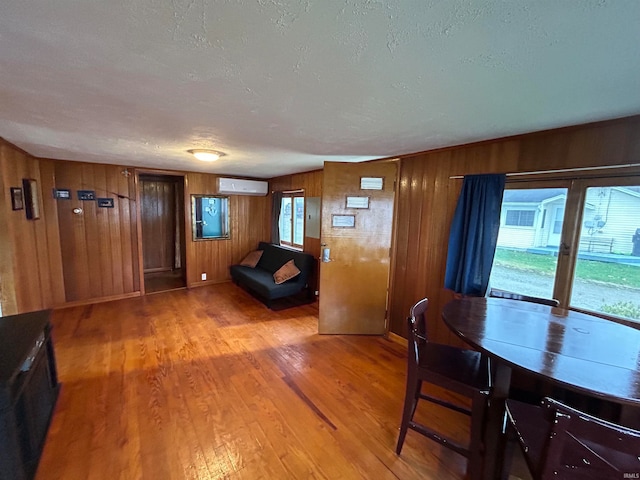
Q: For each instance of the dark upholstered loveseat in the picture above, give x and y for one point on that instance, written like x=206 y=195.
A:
x=259 y=280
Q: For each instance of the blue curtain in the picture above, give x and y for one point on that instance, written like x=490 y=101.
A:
x=276 y=199
x=474 y=234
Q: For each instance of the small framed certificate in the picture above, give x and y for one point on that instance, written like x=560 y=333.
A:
x=371 y=183
x=357 y=202
x=343 y=221
x=62 y=193
x=105 y=202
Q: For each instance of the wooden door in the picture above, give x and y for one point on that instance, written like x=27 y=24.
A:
x=354 y=282
x=157 y=205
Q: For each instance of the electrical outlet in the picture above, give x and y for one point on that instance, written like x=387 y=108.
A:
x=204 y=276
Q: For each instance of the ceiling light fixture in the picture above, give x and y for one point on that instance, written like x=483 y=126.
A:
x=206 y=155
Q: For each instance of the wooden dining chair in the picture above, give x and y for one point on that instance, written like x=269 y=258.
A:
x=560 y=442
x=465 y=372
x=494 y=292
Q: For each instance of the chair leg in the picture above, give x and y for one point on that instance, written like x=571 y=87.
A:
x=410 y=403
x=476 y=445
x=509 y=445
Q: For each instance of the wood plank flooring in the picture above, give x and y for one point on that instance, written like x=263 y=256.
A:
x=208 y=383
x=162 y=281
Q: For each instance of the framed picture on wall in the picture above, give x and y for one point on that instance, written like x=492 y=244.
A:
x=17 y=200
x=31 y=198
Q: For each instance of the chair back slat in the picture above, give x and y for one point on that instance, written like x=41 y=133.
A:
x=580 y=446
x=417 y=333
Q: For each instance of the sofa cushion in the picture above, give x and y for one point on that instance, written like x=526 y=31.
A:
x=252 y=258
x=275 y=256
x=261 y=282
x=286 y=272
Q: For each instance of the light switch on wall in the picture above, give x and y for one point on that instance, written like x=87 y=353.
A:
x=204 y=276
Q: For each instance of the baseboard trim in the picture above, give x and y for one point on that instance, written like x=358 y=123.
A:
x=396 y=338
x=111 y=298
x=207 y=282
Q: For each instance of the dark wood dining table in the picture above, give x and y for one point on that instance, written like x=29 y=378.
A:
x=580 y=352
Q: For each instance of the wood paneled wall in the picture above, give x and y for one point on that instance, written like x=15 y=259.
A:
x=98 y=246
x=427 y=198
x=248 y=224
x=29 y=249
x=310 y=182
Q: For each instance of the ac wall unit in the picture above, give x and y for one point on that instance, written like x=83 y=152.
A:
x=236 y=186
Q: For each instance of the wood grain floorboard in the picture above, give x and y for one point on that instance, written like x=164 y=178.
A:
x=208 y=383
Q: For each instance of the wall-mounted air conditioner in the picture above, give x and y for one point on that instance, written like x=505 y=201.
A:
x=236 y=186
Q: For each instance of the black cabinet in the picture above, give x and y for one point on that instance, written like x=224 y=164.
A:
x=28 y=391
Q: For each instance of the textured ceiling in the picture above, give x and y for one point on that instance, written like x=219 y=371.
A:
x=283 y=85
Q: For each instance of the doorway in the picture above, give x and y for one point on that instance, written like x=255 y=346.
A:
x=356 y=238
x=163 y=232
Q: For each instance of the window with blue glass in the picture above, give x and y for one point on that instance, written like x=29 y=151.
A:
x=210 y=217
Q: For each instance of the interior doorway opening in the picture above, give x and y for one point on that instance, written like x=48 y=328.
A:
x=163 y=232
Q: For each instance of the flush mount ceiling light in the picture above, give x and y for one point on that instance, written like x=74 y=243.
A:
x=206 y=155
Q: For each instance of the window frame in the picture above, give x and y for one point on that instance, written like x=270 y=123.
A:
x=198 y=222
x=570 y=237
x=293 y=195
x=572 y=225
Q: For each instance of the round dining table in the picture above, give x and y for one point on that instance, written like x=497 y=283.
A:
x=577 y=351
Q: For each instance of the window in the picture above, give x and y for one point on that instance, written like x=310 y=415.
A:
x=292 y=219
x=520 y=218
x=521 y=251
x=588 y=254
x=210 y=217
x=557 y=222
x=607 y=273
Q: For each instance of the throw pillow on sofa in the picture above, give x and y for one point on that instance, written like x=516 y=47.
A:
x=286 y=272
x=252 y=259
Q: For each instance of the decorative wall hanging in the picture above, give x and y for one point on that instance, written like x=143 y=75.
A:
x=105 y=202
x=62 y=193
x=17 y=200
x=31 y=198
